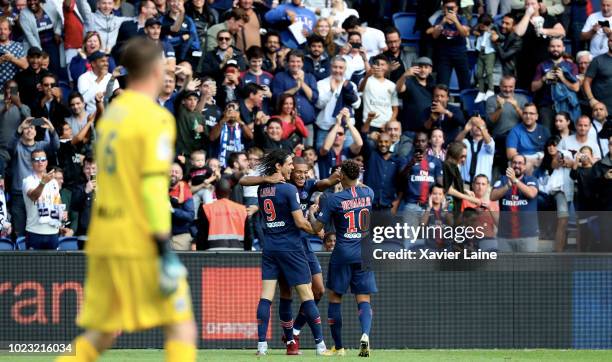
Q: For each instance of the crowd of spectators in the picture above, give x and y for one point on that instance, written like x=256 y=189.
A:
x=499 y=111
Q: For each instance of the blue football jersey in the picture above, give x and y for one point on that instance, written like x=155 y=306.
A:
x=349 y=211
x=276 y=203
x=518 y=214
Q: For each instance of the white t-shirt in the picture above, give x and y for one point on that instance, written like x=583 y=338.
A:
x=43 y=215
x=374 y=41
x=599 y=41
x=570 y=143
x=379 y=96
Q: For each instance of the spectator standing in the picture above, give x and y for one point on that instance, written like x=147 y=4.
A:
x=481 y=149
x=597 y=29
x=83 y=196
x=43 y=26
x=70 y=156
x=449 y=32
x=181 y=201
x=106 y=23
x=401 y=144
x=74 y=28
x=518 y=223
x=285 y=15
x=21 y=164
x=356 y=58
x=536 y=29
x=12 y=113
x=28 y=79
x=379 y=95
x=598 y=79
x=234 y=23
x=216 y=59
x=443 y=115
x=168 y=93
x=270 y=137
x=51 y=105
x=221 y=225
x=303 y=86
x=527 y=138
x=487 y=212
x=275 y=54
x=381 y=170
x=415 y=88
x=180 y=31
x=335 y=93
x=555 y=183
x=92 y=84
x=134 y=27
x=153 y=29
x=486 y=58
x=250 y=34
x=583 y=60
x=337 y=13
x=453 y=182
x=43 y=205
x=507 y=45
x=256 y=74
x=556 y=79
x=393 y=53
x=495 y=7
x=191 y=131
x=13 y=57
x=599 y=122
x=373 y=40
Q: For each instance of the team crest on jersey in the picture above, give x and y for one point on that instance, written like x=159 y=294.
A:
x=432 y=165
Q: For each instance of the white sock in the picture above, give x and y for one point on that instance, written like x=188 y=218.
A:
x=296 y=332
x=262 y=346
x=321 y=346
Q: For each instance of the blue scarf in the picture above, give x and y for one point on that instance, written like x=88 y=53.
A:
x=225 y=134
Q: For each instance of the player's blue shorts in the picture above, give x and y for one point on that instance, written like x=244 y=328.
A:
x=340 y=276
x=291 y=265
x=313 y=263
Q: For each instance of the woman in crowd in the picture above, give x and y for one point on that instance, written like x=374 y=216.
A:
x=436 y=145
x=323 y=29
x=563 y=125
x=79 y=63
x=293 y=126
x=556 y=187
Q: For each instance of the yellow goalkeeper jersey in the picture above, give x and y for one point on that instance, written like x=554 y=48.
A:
x=135 y=138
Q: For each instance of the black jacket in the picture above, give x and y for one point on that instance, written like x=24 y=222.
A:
x=507 y=47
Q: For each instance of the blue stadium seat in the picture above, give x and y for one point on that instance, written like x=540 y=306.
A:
x=6 y=244
x=20 y=242
x=497 y=19
x=453 y=85
x=524 y=92
x=68 y=243
x=405 y=22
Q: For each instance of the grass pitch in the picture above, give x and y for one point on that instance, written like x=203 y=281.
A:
x=473 y=355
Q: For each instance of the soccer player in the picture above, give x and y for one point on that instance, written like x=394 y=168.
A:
x=349 y=211
x=305 y=188
x=134 y=281
x=283 y=252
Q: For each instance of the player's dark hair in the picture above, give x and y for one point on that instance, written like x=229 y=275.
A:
x=392 y=30
x=299 y=161
x=251 y=88
x=352 y=33
x=480 y=175
x=75 y=94
x=90 y=160
x=436 y=186
x=314 y=38
x=442 y=87
x=309 y=148
x=268 y=163
x=274 y=120
x=295 y=53
x=37 y=150
x=530 y=104
x=351 y=169
x=139 y=56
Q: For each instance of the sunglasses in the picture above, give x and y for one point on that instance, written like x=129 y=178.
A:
x=224 y=39
x=49 y=85
x=39 y=159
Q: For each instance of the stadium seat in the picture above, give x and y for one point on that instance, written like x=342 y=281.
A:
x=68 y=243
x=525 y=93
x=453 y=85
x=6 y=244
x=497 y=19
x=467 y=97
x=405 y=23
x=20 y=242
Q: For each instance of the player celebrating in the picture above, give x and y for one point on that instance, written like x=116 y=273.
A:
x=134 y=281
x=305 y=188
x=349 y=210
x=283 y=252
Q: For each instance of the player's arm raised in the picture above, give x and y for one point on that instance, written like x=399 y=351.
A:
x=332 y=180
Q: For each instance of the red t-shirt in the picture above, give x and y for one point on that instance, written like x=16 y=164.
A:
x=73 y=28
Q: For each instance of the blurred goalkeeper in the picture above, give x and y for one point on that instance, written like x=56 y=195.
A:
x=134 y=280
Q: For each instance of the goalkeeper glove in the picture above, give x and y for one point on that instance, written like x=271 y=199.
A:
x=171 y=270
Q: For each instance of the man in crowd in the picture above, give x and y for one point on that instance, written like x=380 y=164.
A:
x=335 y=93
x=507 y=45
x=598 y=78
x=527 y=138
x=415 y=88
x=28 y=79
x=481 y=148
x=373 y=40
x=234 y=22
x=381 y=170
x=333 y=152
x=285 y=15
x=317 y=61
x=43 y=205
x=83 y=197
x=303 y=86
x=443 y=115
x=517 y=192
x=12 y=58
x=153 y=29
x=582 y=137
x=597 y=29
x=92 y=84
x=393 y=53
x=181 y=202
x=216 y=59
x=12 y=113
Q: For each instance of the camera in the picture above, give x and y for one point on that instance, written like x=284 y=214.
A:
x=356 y=45
x=38 y=122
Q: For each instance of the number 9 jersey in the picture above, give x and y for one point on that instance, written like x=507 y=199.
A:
x=349 y=211
x=276 y=203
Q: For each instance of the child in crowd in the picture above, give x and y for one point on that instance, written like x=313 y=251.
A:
x=486 y=58
x=201 y=179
